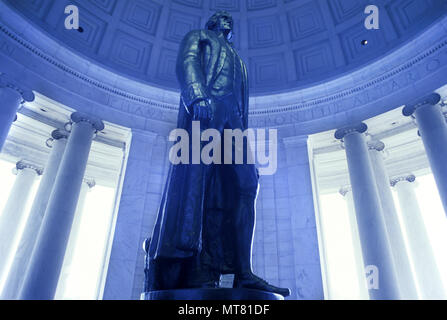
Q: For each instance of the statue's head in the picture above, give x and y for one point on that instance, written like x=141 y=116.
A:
x=221 y=21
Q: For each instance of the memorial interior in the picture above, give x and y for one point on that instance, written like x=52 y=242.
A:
x=85 y=116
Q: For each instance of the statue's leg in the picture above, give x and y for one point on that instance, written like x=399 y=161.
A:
x=164 y=274
x=201 y=271
x=244 y=218
x=200 y=275
x=244 y=222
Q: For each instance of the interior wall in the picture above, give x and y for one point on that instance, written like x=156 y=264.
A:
x=285 y=247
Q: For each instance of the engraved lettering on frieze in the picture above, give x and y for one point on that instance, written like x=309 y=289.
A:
x=270 y=121
x=145 y=111
x=295 y=117
x=358 y=101
x=333 y=108
x=413 y=76
x=395 y=85
x=433 y=65
x=279 y=120
x=317 y=112
x=6 y=48
x=373 y=93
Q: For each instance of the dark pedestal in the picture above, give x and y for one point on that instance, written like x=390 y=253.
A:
x=211 y=294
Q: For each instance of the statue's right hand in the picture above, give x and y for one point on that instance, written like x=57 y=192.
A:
x=202 y=111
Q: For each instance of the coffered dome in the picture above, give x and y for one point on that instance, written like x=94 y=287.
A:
x=286 y=44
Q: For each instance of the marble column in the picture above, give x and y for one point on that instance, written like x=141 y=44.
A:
x=346 y=192
x=407 y=282
x=14 y=211
x=433 y=131
x=57 y=143
x=46 y=261
x=74 y=233
x=11 y=95
x=376 y=250
x=425 y=266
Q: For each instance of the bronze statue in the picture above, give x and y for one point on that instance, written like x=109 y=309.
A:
x=206 y=218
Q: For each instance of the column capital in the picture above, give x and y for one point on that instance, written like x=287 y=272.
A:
x=431 y=99
x=342 y=132
x=22 y=164
x=344 y=190
x=408 y=177
x=90 y=182
x=95 y=122
x=7 y=82
x=59 y=134
x=374 y=144
x=56 y=135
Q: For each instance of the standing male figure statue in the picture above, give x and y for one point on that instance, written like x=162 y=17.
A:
x=206 y=218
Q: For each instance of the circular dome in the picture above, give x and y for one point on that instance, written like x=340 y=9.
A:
x=286 y=44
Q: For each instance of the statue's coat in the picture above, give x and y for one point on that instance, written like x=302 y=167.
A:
x=178 y=229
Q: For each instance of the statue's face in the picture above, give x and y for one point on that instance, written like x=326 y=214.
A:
x=225 y=23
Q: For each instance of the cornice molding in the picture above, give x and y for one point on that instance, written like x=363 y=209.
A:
x=348 y=92
x=339 y=95
x=63 y=67
x=285 y=108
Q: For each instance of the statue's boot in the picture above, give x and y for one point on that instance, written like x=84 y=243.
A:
x=244 y=227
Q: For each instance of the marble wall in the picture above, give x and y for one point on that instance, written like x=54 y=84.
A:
x=140 y=197
x=157 y=178
x=286 y=249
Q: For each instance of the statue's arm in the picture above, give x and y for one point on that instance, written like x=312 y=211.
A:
x=190 y=72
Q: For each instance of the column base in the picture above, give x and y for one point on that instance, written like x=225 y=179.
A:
x=211 y=294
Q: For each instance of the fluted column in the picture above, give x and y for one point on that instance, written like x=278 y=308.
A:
x=46 y=261
x=402 y=262
x=14 y=210
x=346 y=192
x=426 y=269
x=57 y=143
x=87 y=185
x=11 y=95
x=373 y=235
x=433 y=131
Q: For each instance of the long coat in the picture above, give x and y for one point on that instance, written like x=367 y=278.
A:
x=179 y=226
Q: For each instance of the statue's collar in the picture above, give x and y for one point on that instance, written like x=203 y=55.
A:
x=220 y=35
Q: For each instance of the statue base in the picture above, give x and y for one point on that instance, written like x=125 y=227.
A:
x=211 y=294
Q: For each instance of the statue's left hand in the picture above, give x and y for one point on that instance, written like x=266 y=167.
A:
x=202 y=111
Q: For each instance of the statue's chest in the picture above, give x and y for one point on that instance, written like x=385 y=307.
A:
x=231 y=64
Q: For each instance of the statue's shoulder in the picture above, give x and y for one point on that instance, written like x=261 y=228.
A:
x=201 y=34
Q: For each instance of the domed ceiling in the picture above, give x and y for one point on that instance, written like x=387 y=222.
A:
x=287 y=44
